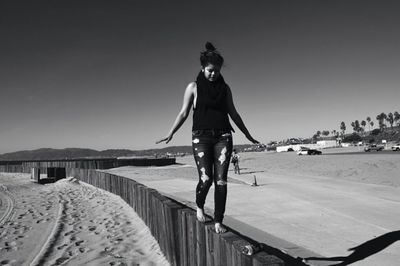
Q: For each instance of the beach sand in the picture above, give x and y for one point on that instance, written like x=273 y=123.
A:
x=304 y=205
x=322 y=204
x=70 y=223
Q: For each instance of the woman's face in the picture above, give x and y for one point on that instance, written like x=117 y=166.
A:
x=211 y=72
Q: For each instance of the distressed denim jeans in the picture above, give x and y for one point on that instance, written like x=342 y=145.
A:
x=212 y=151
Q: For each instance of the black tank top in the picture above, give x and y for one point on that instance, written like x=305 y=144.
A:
x=211 y=111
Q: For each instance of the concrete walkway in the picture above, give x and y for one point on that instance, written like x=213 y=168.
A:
x=302 y=215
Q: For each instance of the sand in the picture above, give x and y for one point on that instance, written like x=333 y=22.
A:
x=322 y=204
x=304 y=205
x=70 y=223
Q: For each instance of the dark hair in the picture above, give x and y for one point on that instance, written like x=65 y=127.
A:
x=211 y=56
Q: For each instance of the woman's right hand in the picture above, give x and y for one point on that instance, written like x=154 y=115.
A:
x=166 y=139
x=252 y=140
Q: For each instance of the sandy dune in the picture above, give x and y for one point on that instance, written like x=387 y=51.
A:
x=68 y=223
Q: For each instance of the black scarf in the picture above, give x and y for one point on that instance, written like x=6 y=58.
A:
x=214 y=92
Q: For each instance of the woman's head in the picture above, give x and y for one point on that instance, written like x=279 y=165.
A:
x=211 y=56
x=211 y=62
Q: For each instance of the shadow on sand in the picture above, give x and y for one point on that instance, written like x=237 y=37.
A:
x=248 y=172
x=364 y=250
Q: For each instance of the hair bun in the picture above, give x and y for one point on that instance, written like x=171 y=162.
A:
x=210 y=47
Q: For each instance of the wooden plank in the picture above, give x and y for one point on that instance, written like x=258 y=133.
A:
x=192 y=236
x=140 y=205
x=218 y=255
x=201 y=243
x=35 y=174
x=51 y=172
x=226 y=240
x=263 y=258
x=209 y=230
x=131 y=192
x=183 y=245
x=60 y=173
x=172 y=221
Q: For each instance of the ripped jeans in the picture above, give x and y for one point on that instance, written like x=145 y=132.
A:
x=212 y=149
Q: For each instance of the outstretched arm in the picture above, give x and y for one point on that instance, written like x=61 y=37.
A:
x=236 y=117
x=183 y=114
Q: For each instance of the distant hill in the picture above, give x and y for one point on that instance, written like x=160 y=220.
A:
x=74 y=153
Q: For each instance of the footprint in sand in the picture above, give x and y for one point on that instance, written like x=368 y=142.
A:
x=78 y=243
x=83 y=250
x=61 y=260
x=14 y=245
x=69 y=232
x=8 y=262
x=116 y=241
x=117 y=263
x=62 y=246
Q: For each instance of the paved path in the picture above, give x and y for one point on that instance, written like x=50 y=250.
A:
x=321 y=214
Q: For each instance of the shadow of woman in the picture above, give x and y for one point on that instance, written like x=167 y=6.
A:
x=364 y=250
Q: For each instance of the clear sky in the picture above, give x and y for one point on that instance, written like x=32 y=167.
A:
x=111 y=74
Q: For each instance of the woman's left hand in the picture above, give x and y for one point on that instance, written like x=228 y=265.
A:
x=166 y=139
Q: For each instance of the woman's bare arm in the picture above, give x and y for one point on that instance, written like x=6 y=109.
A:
x=236 y=117
x=184 y=112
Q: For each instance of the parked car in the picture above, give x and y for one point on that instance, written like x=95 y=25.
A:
x=396 y=147
x=308 y=151
x=373 y=147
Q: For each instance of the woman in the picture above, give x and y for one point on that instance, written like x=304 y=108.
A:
x=212 y=102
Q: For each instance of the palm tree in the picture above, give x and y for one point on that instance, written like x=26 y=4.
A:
x=390 y=119
x=372 y=124
x=381 y=118
x=363 y=124
x=343 y=128
x=358 y=127
x=325 y=133
x=369 y=122
x=397 y=118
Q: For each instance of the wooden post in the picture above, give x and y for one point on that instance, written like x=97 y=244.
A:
x=201 y=243
x=183 y=245
x=35 y=174
x=209 y=229
x=60 y=173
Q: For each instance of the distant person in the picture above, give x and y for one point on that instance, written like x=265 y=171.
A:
x=211 y=99
x=235 y=162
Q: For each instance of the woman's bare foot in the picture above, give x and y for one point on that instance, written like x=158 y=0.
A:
x=200 y=215
x=219 y=228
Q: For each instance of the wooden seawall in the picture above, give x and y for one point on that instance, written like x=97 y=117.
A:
x=183 y=240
